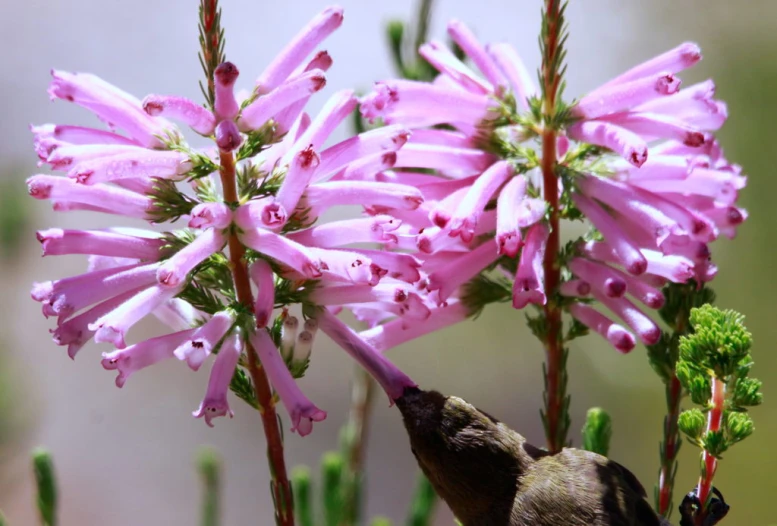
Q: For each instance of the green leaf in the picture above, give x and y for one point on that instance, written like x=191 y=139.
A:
x=597 y=431
x=45 y=480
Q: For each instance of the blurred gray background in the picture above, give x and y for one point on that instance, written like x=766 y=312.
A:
x=125 y=457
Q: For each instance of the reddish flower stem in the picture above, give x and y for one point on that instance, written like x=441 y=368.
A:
x=671 y=446
x=281 y=489
x=714 y=421
x=554 y=375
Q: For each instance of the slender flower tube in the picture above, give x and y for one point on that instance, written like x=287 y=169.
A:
x=180 y=108
x=392 y=380
x=215 y=402
x=301 y=410
x=174 y=271
x=263 y=108
x=109 y=103
x=396 y=332
x=300 y=47
x=56 y=242
x=446 y=280
x=144 y=354
x=262 y=276
x=75 y=332
x=529 y=284
x=619 y=337
x=65 y=296
x=113 y=327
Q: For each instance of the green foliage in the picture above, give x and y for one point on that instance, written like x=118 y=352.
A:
x=538 y=325
x=597 y=431
x=257 y=140
x=14 y=215
x=243 y=387
x=717 y=350
x=421 y=511
x=168 y=204
x=746 y=394
x=680 y=299
x=332 y=466
x=576 y=330
x=692 y=422
x=483 y=290
x=403 y=44
x=205 y=190
x=303 y=500
x=720 y=342
x=209 y=467
x=553 y=36
x=46 y=483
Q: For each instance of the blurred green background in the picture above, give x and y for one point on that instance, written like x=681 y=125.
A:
x=124 y=456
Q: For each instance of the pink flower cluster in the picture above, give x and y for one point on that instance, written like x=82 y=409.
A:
x=442 y=204
x=657 y=210
x=136 y=272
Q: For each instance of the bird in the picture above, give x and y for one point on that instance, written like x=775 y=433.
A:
x=489 y=475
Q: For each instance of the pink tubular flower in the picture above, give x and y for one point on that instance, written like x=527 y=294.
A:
x=619 y=337
x=203 y=340
x=644 y=104
x=113 y=326
x=215 y=403
x=657 y=209
x=56 y=241
x=262 y=276
x=529 y=283
x=110 y=104
x=301 y=410
x=396 y=332
x=385 y=373
x=174 y=271
x=283 y=178
x=144 y=354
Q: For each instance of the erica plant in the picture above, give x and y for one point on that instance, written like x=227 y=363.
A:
x=468 y=176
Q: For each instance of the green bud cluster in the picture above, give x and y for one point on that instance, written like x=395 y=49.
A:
x=717 y=349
